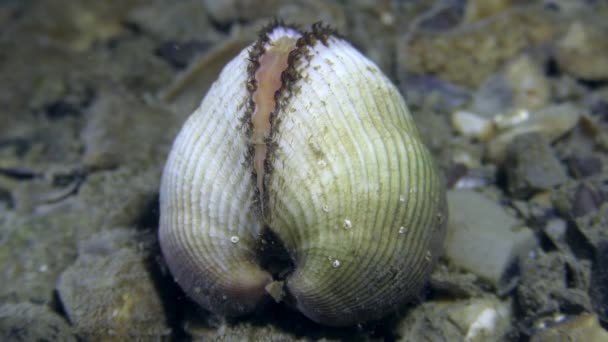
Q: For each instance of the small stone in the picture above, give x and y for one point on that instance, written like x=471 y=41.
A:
x=108 y=293
x=555 y=230
x=483 y=239
x=184 y=20
x=478 y=177
x=532 y=165
x=473 y=320
x=427 y=90
x=584 y=166
x=599 y=286
x=455 y=284
x=200 y=328
x=476 y=10
x=585 y=327
x=239 y=10
x=275 y=290
x=114 y=125
x=511 y=119
x=583 y=51
x=578 y=198
x=482 y=319
x=472 y=125
x=553 y=122
x=552 y=282
x=468 y=54
x=528 y=85
x=30 y=322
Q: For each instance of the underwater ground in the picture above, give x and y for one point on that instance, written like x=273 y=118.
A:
x=511 y=97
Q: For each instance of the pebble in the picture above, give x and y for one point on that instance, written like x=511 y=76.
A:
x=108 y=293
x=26 y=321
x=471 y=320
x=553 y=121
x=553 y=282
x=582 y=166
x=532 y=166
x=472 y=125
x=585 y=327
x=482 y=239
x=583 y=51
x=599 y=286
x=468 y=54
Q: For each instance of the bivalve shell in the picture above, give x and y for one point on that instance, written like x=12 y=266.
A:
x=302 y=167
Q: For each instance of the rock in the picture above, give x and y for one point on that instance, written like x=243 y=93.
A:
x=553 y=121
x=38 y=245
x=226 y=12
x=276 y=325
x=108 y=293
x=126 y=67
x=537 y=209
x=579 y=198
x=552 y=282
x=121 y=130
x=9 y=10
x=520 y=85
x=436 y=134
x=473 y=320
x=468 y=54
x=599 y=281
x=119 y=197
x=472 y=125
x=476 y=10
x=175 y=21
x=429 y=91
x=555 y=230
x=474 y=178
x=76 y=26
x=582 y=166
x=580 y=328
x=243 y=331
x=592 y=226
x=529 y=86
x=492 y=96
x=36 y=248
x=484 y=239
x=588 y=239
x=332 y=12
x=455 y=284
x=295 y=12
x=583 y=51
x=531 y=165
x=482 y=319
x=30 y=322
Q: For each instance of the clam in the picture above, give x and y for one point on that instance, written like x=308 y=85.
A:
x=301 y=175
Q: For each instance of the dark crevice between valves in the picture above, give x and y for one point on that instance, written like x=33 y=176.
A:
x=273 y=255
x=275 y=259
